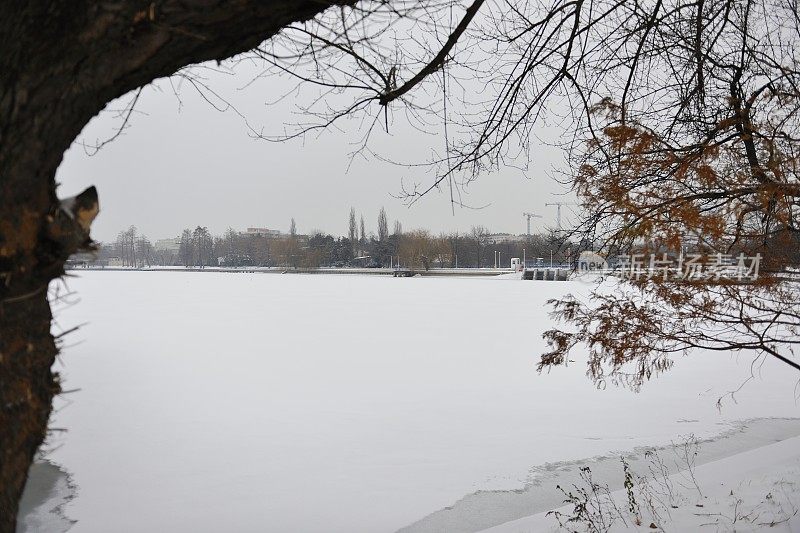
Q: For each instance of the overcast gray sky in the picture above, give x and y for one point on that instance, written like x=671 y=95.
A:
x=186 y=164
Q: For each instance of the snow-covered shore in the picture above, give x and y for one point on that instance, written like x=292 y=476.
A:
x=755 y=490
x=343 y=403
x=485 y=509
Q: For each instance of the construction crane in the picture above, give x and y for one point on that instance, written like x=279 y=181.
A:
x=529 y=216
x=558 y=211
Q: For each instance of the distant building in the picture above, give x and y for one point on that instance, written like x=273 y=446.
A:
x=168 y=245
x=263 y=231
x=502 y=238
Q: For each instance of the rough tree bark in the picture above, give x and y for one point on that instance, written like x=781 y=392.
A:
x=61 y=63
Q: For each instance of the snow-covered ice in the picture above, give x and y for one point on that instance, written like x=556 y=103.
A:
x=261 y=402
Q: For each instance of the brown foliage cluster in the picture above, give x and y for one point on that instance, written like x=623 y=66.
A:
x=696 y=148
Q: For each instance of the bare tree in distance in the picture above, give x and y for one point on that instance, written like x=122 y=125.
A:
x=201 y=239
x=352 y=233
x=130 y=237
x=186 y=250
x=124 y=248
x=145 y=249
x=480 y=235
x=383 y=225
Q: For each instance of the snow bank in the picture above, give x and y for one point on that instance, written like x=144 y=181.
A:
x=483 y=509
x=752 y=491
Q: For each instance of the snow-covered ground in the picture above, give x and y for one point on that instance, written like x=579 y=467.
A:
x=252 y=402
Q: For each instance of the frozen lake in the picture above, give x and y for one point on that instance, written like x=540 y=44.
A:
x=254 y=402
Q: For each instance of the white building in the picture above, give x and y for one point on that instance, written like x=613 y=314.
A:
x=502 y=238
x=263 y=231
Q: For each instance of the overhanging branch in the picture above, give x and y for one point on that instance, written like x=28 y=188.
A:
x=437 y=61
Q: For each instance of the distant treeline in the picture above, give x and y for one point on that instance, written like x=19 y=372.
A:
x=414 y=249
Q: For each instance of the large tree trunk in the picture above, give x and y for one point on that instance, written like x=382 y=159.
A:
x=61 y=63
x=27 y=388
